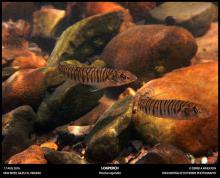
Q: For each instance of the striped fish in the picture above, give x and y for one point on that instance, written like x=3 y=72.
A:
x=177 y=109
x=95 y=76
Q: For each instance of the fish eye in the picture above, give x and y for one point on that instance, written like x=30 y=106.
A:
x=195 y=109
x=122 y=76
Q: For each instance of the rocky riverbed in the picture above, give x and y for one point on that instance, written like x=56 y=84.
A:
x=50 y=119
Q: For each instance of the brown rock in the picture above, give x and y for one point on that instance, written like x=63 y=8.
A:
x=24 y=87
x=164 y=154
x=18 y=10
x=31 y=61
x=207 y=45
x=92 y=116
x=197 y=83
x=17 y=127
x=8 y=53
x=140 y=9
x=15 y=32
x=143 y=48
x=46 y=20
x=32 y=155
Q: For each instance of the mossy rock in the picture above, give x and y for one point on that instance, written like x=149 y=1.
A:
x=110 y=133
x=83 y=38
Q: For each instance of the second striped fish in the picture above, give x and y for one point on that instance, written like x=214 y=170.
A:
x=171 y=108
x=97 y=77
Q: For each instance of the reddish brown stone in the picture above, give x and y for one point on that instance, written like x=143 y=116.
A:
x=31 y=61
x=140 y=9
x=93 y=8
x=24 y=87
x=197 y=83
x=141 y=49
x=32 y=155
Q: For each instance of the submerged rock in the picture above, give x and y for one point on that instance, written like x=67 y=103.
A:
x=92 y=116
x=29 y=62
x=164 y=154
x=17 y=126
x=94 y=8
x=18 y=10
x=197 y=83
x=80 y=40
x=63 y=157
x=24 y=87
x=32 y=155
x=144 y=48
x=50 y=145
x=69 y=101
x=194 y=16
x=140 y=10
x=207 y=45
x=45 y=21
x=8 y=71
x=110 y=133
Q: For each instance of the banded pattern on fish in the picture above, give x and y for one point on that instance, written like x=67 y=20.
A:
x=99 y=77
x=172 y=108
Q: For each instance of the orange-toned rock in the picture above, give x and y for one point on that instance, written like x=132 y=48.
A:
x=31 y=61
x=24 y=87
x=197 y=83
x=9 y=54
x=207 y=45
x=19 y=28
x=50 y=145
x=32 y=155
x=144 y=49
x=93 y=8
x=127 y=92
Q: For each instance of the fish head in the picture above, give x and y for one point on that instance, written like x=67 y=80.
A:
x=192 y=110
x=121 y=77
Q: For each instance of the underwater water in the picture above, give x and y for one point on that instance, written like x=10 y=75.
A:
x=109 y=82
